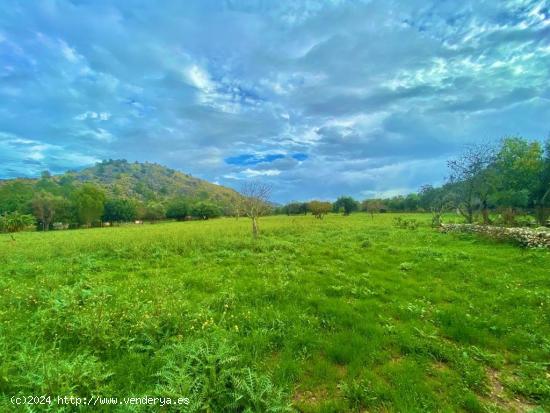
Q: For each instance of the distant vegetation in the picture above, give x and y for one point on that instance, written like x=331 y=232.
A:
x=507 y=184
x=114 y=191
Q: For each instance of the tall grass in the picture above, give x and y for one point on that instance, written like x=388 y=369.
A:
x=341 y=314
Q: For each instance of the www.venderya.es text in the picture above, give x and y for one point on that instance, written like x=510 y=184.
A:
x=98 y=400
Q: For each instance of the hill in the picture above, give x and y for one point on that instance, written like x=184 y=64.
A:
x=143 y=182
x=150 y=181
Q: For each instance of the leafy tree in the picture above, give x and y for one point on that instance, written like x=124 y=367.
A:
x=178 y=209
x=155 y=211
x=119 y=210
x=65 y=211
x=541 y=193
x=427 y=194
x=346 y=204
x=16 y=195
x=44 y=207
x=14 y=222
x=205 y=210
x=295 y=208
x=89 y=201
x=319 y=208
x=519 y=165
x=47 y=184
x=410 y=202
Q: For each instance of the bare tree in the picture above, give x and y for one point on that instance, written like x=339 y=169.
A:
x=472 y=179
x=237 y=207
x=255 y=202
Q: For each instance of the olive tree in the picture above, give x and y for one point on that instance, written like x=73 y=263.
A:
x=319 y=208
x=255 y=203
x=346 y=204
x=44 y=207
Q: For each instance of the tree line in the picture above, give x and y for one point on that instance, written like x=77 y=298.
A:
x=487 y=182
x=51 y=204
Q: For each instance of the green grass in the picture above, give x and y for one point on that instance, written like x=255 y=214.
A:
x=341 y=314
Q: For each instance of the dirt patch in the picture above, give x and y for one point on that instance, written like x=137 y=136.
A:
x=498 y=396
x=310 y=397
x=440 y=367
x=342 y=370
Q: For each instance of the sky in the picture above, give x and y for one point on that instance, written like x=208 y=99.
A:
x=316 y=98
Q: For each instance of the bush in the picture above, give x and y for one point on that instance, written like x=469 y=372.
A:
x=403 y=223
x=15 y=222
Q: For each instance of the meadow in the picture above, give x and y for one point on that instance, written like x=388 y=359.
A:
x=347 y=313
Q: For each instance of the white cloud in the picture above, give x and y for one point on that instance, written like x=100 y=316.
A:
x=70 y=54
x=199 y=78
x=93 y=115
x=266 y=172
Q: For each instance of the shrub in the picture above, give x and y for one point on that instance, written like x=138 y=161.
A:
x=15 y=222
x=403 y=223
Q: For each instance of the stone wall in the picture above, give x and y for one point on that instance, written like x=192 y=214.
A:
x=528 y=237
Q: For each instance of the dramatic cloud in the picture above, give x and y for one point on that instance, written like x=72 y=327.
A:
x=318 y=98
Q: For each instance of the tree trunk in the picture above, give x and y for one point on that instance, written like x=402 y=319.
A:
x=485 y=214
x=255 y=228
x=468 y=214
x=541 y=211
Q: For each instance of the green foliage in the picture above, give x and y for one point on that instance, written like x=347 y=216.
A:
x=404 y=223
x=178 y=209
x=149 y=182
x=205 y=210
x=89 y=201
x=119 y=210
x=154 y=211
x=345 y=204
x=130 y=188
x=295 y=208
x=15 y=222
x=373 y=205
x=210 y=374
x=45 y=207
x=15 y=195
x=348 y=314
x=511 y=178
x=519 y=163
x=319 y=208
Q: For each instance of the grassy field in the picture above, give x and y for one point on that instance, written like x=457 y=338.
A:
x=341 y=314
